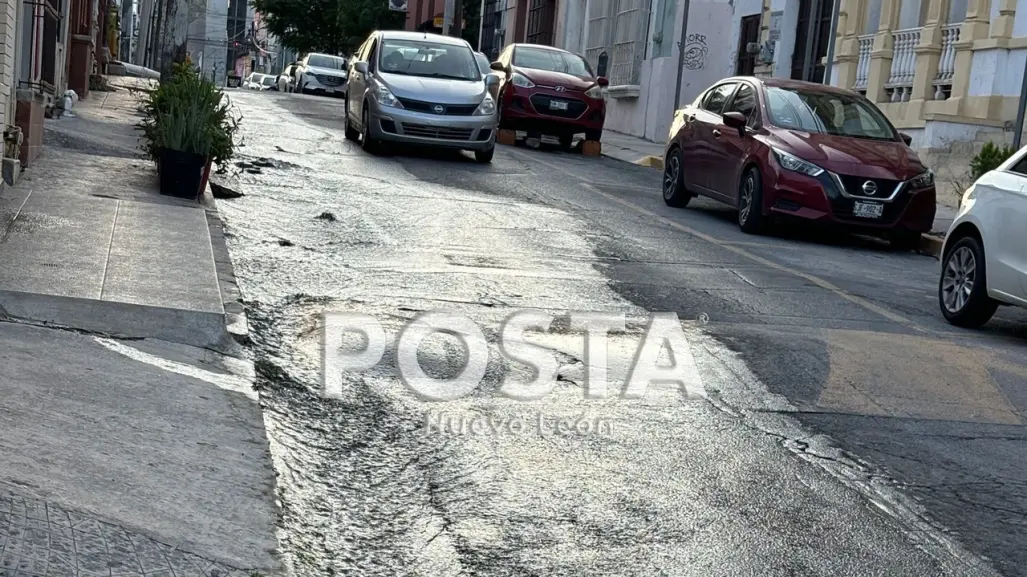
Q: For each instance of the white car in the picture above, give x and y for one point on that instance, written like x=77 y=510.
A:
x=257 y=81
x=321 y=74
x=983 y=264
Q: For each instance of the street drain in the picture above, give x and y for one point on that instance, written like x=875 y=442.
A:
x=51 y=265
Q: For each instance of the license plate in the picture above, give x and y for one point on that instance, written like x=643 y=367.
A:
x=867 y=210
x=330 y=90
x=557 y=105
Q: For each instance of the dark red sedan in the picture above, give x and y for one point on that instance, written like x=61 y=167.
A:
x=774 y=147
x=549 y=91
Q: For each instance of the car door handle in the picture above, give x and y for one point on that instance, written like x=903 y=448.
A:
x=716 y=133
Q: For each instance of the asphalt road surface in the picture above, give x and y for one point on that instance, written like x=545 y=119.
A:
x=846 y=429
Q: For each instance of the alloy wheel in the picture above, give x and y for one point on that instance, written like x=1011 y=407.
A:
x=959 y=278
x=745 y=201
x=671 y=176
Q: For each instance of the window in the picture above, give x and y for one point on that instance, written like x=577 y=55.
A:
x=1020 y=167
x=744 y=102
x=619 y=29
x=268 y=80
x=552 y=60
x=483 y=63
x=716 y=98
x=372 y=53
x=827 y=113
x=428 y=58
x=324 y=61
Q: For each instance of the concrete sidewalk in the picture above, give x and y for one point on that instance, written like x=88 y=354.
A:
x=648 y=153
x=133 y=442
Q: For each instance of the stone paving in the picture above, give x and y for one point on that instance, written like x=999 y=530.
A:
x=42 y=539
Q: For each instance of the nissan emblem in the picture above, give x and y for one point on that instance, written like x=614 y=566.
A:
x=560 y=89
x=870 y=188
x=439 y=109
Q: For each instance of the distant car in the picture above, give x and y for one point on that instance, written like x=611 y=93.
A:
x=255 y=81
x=421 y=89
x=284 y=79
x=773 y=147
x=321 y=74
x=268 y=82
x=982 y=265
x=551 y=91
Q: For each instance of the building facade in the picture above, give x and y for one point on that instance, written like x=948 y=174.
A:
x=208 y=39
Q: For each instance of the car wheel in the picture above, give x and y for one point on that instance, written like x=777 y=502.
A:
x=366 y=142
x=963 y=288
x=750 y=202
x=595 y=134
x=350 y=132
x=674 y=193
x=904 y=240
x=485 y=156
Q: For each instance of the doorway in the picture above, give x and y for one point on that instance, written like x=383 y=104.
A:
x=541 y=20
x=745 y=63
x=812 y=34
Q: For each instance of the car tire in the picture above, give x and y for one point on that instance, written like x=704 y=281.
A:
x=905 y=240
x=750 y=202
x=350 y=132
x=369 y=144
x=962 y=263
x=674 y=192
x=485 y=156
x=595 y=134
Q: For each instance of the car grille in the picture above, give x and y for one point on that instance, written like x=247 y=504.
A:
x=440 y=132
x=575 y=107
x=429 y=107
x=854 y=186
x=329 y=80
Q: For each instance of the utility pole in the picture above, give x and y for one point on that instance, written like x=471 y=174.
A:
x=447 y=17
x=681 y=57
x=145 y=17
x=1020 y=110
x=835 y=7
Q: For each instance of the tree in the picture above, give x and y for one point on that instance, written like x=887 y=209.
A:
x=358 y=18
x=305 y=25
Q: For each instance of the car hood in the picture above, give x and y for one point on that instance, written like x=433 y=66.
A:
x=440 y=90
x=328 y=71
x=550 y=78
x=854 y=156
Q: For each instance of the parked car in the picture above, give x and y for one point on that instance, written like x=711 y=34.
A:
x=268 y=82
x=254 y=81
x=485 y=67
x=982 y=265
x=550 y=91
x=284 y=80
x=321 y=74
x=784 y=148
x=420 y=88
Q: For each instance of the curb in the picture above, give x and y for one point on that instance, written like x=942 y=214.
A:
x=650 y=161
x=931 y=245
x=231 y=297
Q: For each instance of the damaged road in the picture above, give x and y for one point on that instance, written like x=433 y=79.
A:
x=846 y=431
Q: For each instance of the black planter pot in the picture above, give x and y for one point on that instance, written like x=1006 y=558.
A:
x=180 y=173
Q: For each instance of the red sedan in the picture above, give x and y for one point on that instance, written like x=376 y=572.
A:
x=774 y=147
x=549 y=91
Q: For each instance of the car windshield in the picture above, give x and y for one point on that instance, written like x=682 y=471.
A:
x=827 y=113
x=427 y=58
x=483 y=63
x=552 y=60
x=325 y=61
x=256 y=77
x=268 y=80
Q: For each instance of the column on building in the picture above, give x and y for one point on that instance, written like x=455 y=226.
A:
x=83 y=42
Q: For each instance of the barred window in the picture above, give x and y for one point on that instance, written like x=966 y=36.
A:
x=620 y=29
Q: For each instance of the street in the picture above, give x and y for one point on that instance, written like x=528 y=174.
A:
x=847 y=428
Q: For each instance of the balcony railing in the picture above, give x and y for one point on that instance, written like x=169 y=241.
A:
x=947 y=62
x=903 y=64
x=866 y=44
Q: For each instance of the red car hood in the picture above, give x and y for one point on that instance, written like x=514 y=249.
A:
x=550 y=78
x=855 y=156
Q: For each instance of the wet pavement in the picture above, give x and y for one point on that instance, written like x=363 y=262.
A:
x=847 y=429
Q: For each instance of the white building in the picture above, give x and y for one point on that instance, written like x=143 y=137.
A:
x=208 y=38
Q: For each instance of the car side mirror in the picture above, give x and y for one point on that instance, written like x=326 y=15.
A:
x=906 y=138
x=603 y=81
x=735 y=120
x=491 y=80
x=360 y=67
x=497 y=66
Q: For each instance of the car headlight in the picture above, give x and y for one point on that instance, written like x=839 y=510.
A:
x=521 y=81
x=925 y=180
x=487 y=106
x=796 y=164
x=594 y=92
x=384 y=96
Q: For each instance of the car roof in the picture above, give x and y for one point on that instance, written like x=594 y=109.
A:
x=406 y=35
x=788 y=83
x=323 y=54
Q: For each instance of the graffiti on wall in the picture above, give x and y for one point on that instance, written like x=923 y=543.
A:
x=695 y=51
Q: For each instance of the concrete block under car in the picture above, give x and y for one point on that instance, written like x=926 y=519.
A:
x=507 y=137
x=591 y=148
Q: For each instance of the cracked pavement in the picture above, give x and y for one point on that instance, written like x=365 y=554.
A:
x=848 y=429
